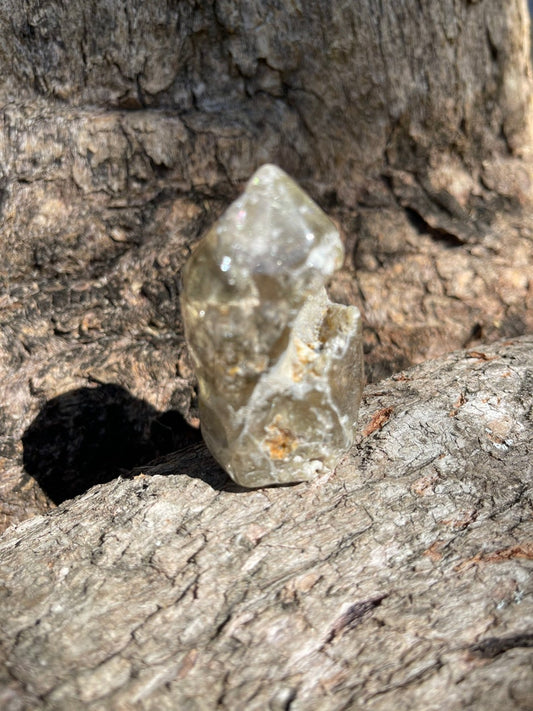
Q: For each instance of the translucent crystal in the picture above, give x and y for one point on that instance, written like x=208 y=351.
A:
x=279 y=366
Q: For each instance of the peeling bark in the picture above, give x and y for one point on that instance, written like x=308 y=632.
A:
x=402 y=580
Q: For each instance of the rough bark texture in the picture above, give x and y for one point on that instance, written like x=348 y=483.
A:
x=128 y=126
x=401 y=581
x=126 y=129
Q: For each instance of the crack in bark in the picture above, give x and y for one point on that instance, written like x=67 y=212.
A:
x=355 y=615
x=492 y=647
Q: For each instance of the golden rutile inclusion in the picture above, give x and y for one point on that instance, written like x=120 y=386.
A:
x=279 y=366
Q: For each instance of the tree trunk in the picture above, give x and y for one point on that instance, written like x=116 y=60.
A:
x=128 y=126
x=126 y=129
x=403 y=580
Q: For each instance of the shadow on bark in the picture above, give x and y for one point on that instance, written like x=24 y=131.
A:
x=89 y=436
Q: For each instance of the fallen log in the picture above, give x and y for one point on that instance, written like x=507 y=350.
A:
x=402 y=580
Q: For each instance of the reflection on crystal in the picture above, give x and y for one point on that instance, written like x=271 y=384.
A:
x=279 y=366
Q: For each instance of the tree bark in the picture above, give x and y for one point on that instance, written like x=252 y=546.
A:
x=126 y=129
x=128 y=126
x=403 y=580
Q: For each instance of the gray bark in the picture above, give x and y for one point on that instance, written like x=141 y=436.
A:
x=403 y=580
x=127 y=127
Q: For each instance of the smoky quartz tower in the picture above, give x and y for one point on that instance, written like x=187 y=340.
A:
x=280 y=367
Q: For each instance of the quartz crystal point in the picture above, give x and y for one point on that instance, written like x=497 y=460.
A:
x=279 y=366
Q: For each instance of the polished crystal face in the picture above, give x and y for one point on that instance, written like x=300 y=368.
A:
x=279 y=366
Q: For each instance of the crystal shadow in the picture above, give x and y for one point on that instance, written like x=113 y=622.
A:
x=89 y=436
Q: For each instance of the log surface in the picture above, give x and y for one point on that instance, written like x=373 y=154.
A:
x=403 y=580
